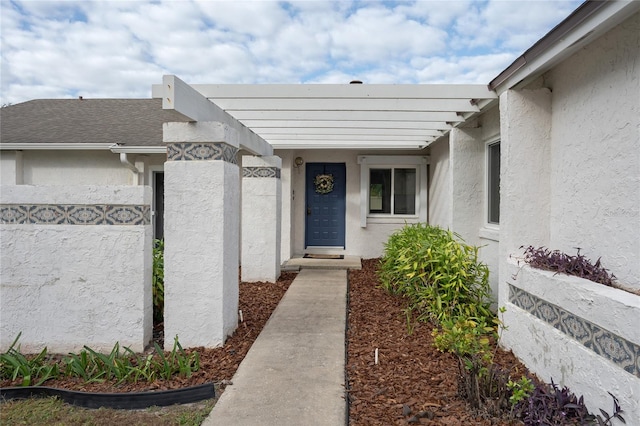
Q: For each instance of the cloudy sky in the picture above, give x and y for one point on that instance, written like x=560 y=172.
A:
x=119 y=48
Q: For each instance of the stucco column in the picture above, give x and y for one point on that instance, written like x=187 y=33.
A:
x=466 y=163
x=525 y=146
x=201 y=231
x=261 y=218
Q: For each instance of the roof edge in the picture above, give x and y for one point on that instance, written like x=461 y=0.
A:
x=115 y=148
x=56 y=146
x=564 y=39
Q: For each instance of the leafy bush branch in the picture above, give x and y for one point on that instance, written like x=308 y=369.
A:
x=158 y=281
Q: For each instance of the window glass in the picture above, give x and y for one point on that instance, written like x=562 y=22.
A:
x=392 y=190
x=404 y=191
x=380 y=191
x=494 y=183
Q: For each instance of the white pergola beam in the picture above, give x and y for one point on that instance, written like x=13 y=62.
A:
x=350 y=145
x=260 y=126
x=345 y=91
x=331 y=115
x=345 y=104
x=179 y=96
x=271 y=133
x=337 y=139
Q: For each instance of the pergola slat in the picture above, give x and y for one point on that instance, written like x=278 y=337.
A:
x=345 y=91
x=346 y=104
x=262 y=125
x=338 y=116
x=289 y=132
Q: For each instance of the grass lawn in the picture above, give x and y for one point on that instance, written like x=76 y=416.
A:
x=52 y=411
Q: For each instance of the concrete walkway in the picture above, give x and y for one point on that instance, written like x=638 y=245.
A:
x=294 y=372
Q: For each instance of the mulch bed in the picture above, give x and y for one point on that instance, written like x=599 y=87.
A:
x=412 y=383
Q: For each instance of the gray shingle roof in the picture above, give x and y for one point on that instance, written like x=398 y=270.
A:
x=130 y=122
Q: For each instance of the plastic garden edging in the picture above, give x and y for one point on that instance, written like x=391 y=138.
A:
x=125 y=401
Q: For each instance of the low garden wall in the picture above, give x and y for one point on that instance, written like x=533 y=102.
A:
x=76 y=267
x=579 y=333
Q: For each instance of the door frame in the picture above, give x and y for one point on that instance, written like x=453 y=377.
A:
x=307 y=188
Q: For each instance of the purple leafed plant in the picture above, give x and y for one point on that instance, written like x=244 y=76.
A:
x=551 y=405
x=559 y=262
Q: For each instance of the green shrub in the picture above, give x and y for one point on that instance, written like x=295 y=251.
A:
x=158 y=281
x=482 y=383
x=440 y=275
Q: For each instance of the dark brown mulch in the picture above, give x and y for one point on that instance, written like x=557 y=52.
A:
x=413 y=383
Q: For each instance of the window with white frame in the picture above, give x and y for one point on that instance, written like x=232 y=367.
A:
x=393 y=187
x=393 y=190
x=493 y=182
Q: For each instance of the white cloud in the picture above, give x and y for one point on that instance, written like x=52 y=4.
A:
x=256 y=18
x=438 y=14
x=464 y=69
x=510 y=24
x=119 y=48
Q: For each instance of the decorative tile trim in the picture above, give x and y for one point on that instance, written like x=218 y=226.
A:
x=74 y=214
x=187 y=151
x=620 y=351
x=261 y=172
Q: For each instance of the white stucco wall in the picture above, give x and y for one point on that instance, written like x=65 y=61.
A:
x=595 y=152
x=287 y=174
x=10 y=167
x=76 y=167
x=202 y=234
x=466 y=165
x=201 y=252
x=70 y=167
x=440 y=185
x=261 y=218
x=65 y=286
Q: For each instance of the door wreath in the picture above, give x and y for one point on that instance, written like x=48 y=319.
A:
x=323 y=183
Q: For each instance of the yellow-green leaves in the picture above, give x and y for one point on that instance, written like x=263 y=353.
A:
x=440 y=275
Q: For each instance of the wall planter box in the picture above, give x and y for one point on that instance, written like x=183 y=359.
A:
x=582 y=334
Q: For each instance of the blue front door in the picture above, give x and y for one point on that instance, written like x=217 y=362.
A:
x=326 y=204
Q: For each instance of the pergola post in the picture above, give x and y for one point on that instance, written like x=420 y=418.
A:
x=202 y=220
x=261 y=218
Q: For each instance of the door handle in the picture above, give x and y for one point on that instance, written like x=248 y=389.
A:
x=308 y=211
